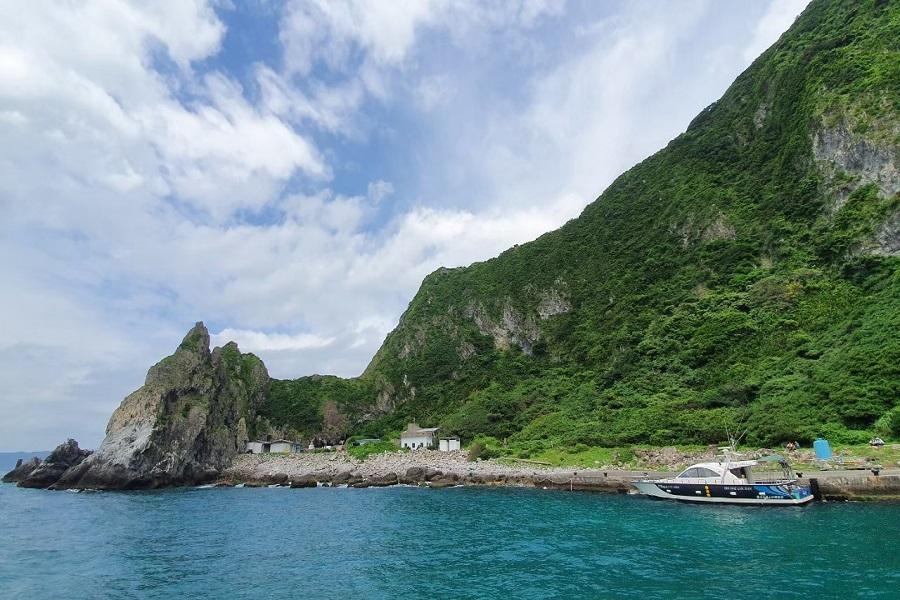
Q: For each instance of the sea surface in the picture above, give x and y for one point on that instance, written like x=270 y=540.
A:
x=451 y=543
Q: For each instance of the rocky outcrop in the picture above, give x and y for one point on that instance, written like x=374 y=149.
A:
x=702 y=230
x=23 y=469
x=849 y=161
x=183 y=426
x=66 y=456
x=515 y=328
x=886 y=241
x=511 y=329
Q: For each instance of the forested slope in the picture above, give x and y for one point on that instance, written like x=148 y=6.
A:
x=743 y=276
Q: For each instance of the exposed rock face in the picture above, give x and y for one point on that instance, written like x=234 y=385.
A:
x=553 y=302
x=22 y=470
x=63 y=458
x=514 y=328
x=511 y=329
x=703 y=230
x=850 y=161
x=183 y=426
x=887 y=237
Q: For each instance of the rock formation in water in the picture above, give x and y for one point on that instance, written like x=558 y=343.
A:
x=48 y=472
x=23 y=469
x=183 y=426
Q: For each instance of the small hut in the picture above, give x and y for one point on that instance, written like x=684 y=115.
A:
x=416 y=437
x=448 y=444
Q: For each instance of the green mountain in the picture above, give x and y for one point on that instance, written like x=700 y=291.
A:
x=745 y=276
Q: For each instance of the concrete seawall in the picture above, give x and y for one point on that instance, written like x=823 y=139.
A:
x=862 y=485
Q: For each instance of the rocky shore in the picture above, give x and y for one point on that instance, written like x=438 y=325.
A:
x=446 y=469
x=35 y=473
x=434 y=469
x=423 y=467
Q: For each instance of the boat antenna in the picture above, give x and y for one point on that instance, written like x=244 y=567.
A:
x=730 y=450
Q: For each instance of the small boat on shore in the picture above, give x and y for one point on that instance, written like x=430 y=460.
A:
x=731 y=482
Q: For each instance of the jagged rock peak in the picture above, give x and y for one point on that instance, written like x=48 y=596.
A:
x=197 y=339
x=184 y=425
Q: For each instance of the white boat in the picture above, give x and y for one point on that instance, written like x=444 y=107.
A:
x=731 y=482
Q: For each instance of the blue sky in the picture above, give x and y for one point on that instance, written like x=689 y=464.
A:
x=288 y=171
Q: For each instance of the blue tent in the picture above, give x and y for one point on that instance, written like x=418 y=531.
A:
x=822 y=448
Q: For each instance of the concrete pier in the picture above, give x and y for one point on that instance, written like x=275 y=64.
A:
x=856 y=485
x=832 y=485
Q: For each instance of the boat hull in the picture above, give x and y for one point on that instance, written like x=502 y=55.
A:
x=717 y=493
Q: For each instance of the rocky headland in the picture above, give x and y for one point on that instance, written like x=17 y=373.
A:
x=182 y=427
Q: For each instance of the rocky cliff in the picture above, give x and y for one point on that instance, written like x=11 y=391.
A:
x=183 y=426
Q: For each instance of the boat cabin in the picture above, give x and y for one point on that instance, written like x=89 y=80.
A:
x=736 y=472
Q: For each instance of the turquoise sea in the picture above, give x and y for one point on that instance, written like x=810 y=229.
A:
x=451 y=543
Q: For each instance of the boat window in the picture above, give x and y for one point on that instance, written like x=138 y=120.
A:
x=698 y=472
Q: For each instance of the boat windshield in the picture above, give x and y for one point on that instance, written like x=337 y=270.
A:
x=696 y=472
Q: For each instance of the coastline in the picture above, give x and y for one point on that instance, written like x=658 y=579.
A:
x=448 y=469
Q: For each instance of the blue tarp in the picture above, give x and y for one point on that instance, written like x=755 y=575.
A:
x=822 y=448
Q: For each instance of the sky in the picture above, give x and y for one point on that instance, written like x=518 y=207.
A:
x=288 y=171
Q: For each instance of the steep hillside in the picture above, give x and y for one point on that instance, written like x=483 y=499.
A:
x=744 y=276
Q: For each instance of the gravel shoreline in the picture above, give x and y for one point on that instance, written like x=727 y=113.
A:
x=422 y=467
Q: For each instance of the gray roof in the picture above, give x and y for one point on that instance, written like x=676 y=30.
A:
x=413 y=429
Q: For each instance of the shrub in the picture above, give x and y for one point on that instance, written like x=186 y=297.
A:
x=363 y=452
x=888 y=425
x=484 y=447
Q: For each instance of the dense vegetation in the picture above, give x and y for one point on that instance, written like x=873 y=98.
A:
x=735 y=279
x=326 y=406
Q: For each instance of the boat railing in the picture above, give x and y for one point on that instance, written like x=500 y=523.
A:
x=770 y=478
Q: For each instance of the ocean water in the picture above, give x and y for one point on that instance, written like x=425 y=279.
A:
x=451 y=543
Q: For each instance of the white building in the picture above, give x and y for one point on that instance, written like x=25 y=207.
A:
x=285 y=446
x=261 y=447
x=255 y=447
x=449 y=444
x=417 y=437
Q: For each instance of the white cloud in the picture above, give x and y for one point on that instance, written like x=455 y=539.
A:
x=84 y=75
x=329 y=31
x=369 y=37
x=258 y=341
